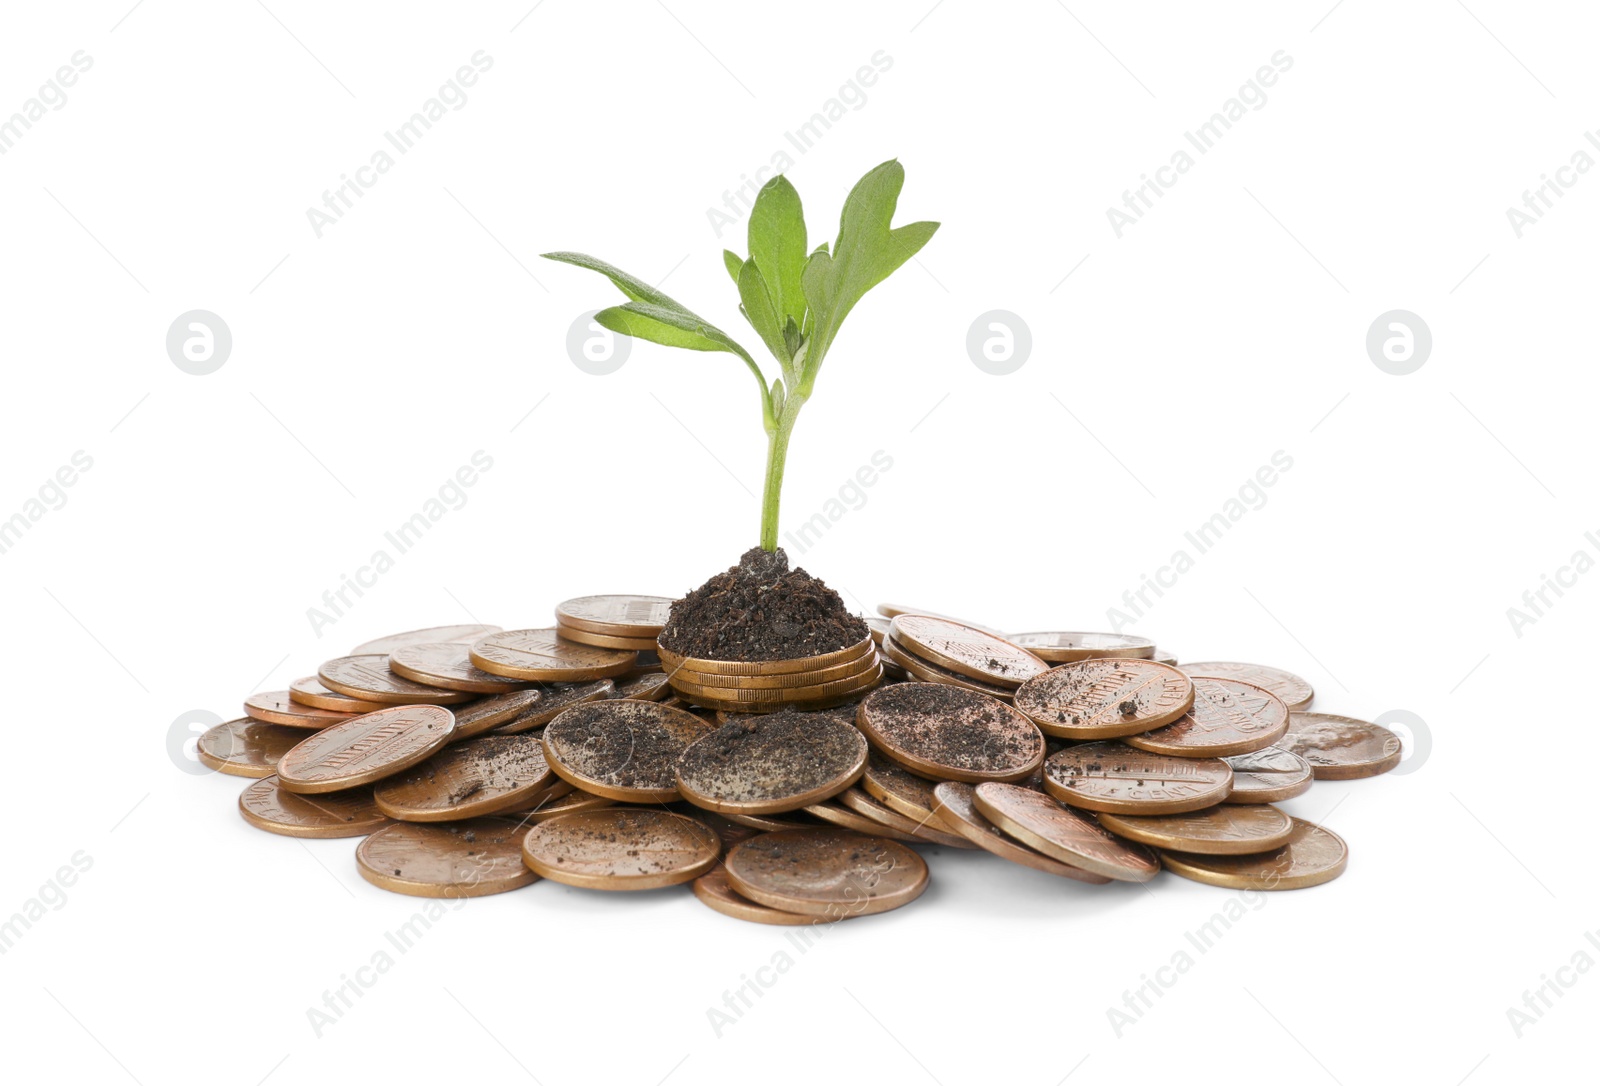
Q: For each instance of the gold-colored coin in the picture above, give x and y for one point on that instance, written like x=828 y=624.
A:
x=948 y=733
x=1313 y=855
x=929 y=829
x=618 y=615
x=675 y=662
x=1289 y=688
x=621 y=848
x=248 y=748
x=310 y=691
x=651 y=686
x=894 y=610
x=605 y=641
x=448 y=664
x=1117 y=778
x=365 y=749
x=557 y=700
x=712 y=889
x=1105 y=699
x=923 y=671
x=855 y=684
x=385 y=645
x=1215 y=831
x=1228 y=717
x=837 y=814
x=482 y=776
x=1268 y=776
x=1060 y=647
x=707 y=680
x=898 y=788
x=334 y=814
x=966 y=650
x=771 y=764
x=369 y=677
x=956 y=809
x=826 y=872
x=485 y=714
x=474 y=858
x=542 y=656
x=274 y=707
x=1062 y=833
x=1341 y=748
x=623 y=750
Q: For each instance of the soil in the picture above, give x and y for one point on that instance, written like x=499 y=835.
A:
x=761 y=610
x=951 y=727
x=772 y=757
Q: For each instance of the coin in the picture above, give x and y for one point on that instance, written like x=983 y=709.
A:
x=898 y=788
x=274 y=707
x=771 y=764
x=837 y=814
x=826 y=872
x=482 y=776
x=747 y=708
x=555 y=788
x=966 y=650
x=556 y=805
x=1162 y=656
x=366 y=748
x=618 y=615
x=765 y=823
x=879 y=625
x=1291 y=689
x=447 y=664
x=623 y=750
x=1268 y=776
x=1062 y=833
x=1117 y=778
x=557 y=700
x=474 y=858
x=714 y=683
x=674 y=662
x=712 y=889
x=1103 y=699
x=249 y=748
x=621 y=848
x=923 y=671
x=895 y=610
x=956 y=809
x=1314 y=855
x=1340 y=748
x=1063 y=648
x=949 y=733
x=541 y=656
x=476 y=717
x=310 y=691
x=1228 y=717
x=369 y=677
x=651 y=686
x=855 y=684
x=333 y=814
x=385 y=645
x=605 y=641
x=927 y=829
x=1215 y=831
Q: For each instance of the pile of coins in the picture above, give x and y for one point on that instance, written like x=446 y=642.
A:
x=474 y=760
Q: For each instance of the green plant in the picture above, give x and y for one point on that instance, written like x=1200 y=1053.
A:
x=794 y=300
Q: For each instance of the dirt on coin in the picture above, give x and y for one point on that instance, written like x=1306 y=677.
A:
x=772 y=756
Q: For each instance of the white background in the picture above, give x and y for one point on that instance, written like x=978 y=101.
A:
x=372 y=362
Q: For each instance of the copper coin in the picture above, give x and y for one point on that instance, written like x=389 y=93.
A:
x=675 y=662
x=557 y=700
x=1060 y=647
x=929 y=829
x=1104 y=699
x=621 y=848
x=898 y=788
x=966 y=650
x=1117 y=778
x=1341 y=748
x=956 y=809
x=460 y=859
x=553 y=806
x=1289 y=688
x=334 y=814
x=771 y=764
x=712 y=889
x=1228 y=717
x=365 y=749
x=541 y=656
x=623 y=750
x=923 y=671
x=447 y=664
x=1215 y=831
x=951 y=734
x=854 y=684
x=837 y=814
x=385 y=645
x=555 y=788
x=766 y=823
x=826 y=872
x=605 y=641
x=369 y=677
x=1313 y=855
x=482 y=776
x=1062 y=833
x=713 y=683
x=274 y=707
x=651 y=686
x=619 y=615
x=879 y=625
x=310 y=691
x=1268 y=776
x=893 y=611
x=808 y=705
x=247 y=748
x=476 y=717
x=1162 y=656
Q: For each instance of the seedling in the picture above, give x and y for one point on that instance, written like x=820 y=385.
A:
x=794 y=301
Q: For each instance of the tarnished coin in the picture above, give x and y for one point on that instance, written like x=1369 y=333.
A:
x=275 y=707
x=894 y=610
x=674 y=662
x=458 y=859
x=898 y=788
x=1058 y=647
x=618 y=615
x=557 y=700
x=1117 y=778
x=1062 y=833
x=249 y=748
x=712 y=889
x=541 y=656
x=623 y=750
x=482 y=776
x=788 y=695
x=365 y=749
x=826 y=872
x=310 y=691
x=1313 y=855
x=621 y=848
x=949 y=733
x=651 y=686
x=1104 y=699
x=385 y=645
x=772 y=763
x=930 y=829
x=476 y=717
x=1289 y=688
x=448 y=664
x=334 y=814
x=1228 y=717
x=966 y=650
x=1268 y=776
x=923 y=671
x=1215 y=831
x=1341 y=748
x=605 y=641
x=369 y=677
x=956 y=809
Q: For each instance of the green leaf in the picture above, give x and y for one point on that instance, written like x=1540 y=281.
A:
x=759 y=310
x=777 y=239
x=636 y=289
x=668 y=327
x=732 y=261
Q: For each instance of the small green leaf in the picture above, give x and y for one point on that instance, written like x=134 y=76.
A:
x=777 y=239
x=668 y=327
x=791 y=336
x=636 y=289
x=732 y=261
x=759 y=311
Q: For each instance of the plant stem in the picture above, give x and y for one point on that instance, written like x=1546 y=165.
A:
x=777 y=453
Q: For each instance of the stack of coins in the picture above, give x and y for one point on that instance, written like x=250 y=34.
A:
x=932 y=648
x=614 y=622
x=807 y=682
